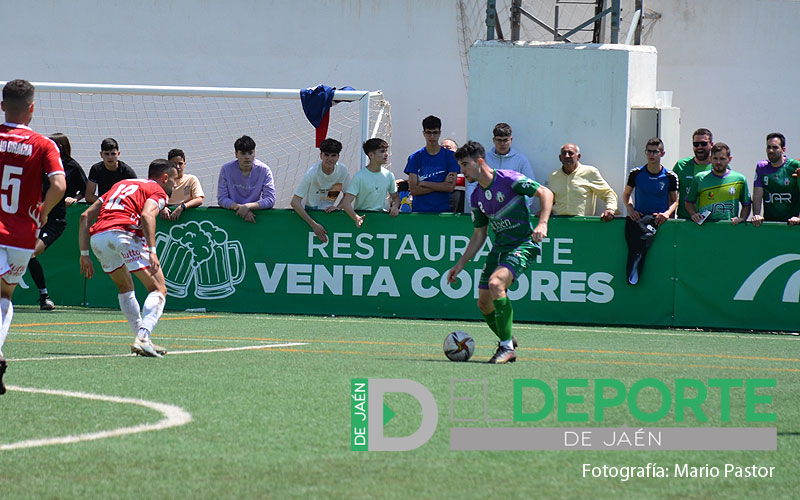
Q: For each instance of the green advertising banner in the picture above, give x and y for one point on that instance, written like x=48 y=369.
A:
x=397 y=267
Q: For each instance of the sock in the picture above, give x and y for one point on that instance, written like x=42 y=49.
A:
x=130 y=308
x=508 y=344
x=490 y=321
x=153 y=307
x=43 y=291
x=6 y=313
x=37 y=273
x=504 y=318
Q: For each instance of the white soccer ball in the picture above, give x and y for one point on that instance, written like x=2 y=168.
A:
x=458 y=346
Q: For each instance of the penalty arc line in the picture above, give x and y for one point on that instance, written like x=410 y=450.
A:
x=174 y=416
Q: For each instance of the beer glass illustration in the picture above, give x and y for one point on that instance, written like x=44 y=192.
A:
x=177 y=263
x=200 y=252
x=221 y=271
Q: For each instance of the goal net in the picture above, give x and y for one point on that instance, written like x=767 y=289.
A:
x=204 y=122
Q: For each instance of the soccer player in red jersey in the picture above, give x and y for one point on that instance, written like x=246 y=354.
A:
x=24 y=157
x=124 y=241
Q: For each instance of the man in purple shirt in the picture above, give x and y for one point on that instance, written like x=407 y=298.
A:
x=245 y=184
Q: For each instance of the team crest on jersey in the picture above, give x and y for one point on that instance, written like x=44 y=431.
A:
x=500 y=197
x=488 y=194
x=732 y=191
x=785 y=181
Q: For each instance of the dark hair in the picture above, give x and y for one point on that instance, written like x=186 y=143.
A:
x=158 y=167
x=502 y=130
x=176 y=152
x=373 y=145
x=18 y=95
x=704 y=131
x=109 y=144
x=244 y=143
x=62 y=142
x=657 y=142
x=431 y=123
x=472 y=149
x=777 y=135
x=331 y=146
x=719 y=147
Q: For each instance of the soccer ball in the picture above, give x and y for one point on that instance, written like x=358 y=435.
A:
x=458 y=346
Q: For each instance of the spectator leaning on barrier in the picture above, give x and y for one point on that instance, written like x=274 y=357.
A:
x=321 y=186
x=775 y=186
x=188 y=192
x=656 y=201
x=577 y=187
x=371 y=184
x=431 y=171
x=687 y=168
x=245 y=184
x=716 y=194
x=504 y=157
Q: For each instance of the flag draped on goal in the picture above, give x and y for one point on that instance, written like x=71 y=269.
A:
x=317 y=102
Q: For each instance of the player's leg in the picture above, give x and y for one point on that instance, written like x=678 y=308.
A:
x=13 y=262
x=153 y=305
x=485 y=300
x=127 y=297
x=499 y=281
x=37 y=273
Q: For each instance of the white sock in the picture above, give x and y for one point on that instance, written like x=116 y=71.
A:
x=130 y=308
x=6 y=313
x=153 y=307
x=508 y=344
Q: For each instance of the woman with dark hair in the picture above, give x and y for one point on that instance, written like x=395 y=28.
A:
x=57 y=220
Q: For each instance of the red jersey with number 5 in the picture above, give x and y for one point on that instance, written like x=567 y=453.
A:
x=123 y=205
x=24 y=157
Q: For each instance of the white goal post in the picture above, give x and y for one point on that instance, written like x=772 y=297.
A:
x=204 y=122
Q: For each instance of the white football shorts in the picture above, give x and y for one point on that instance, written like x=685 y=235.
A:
x=115 y=249
x=13 y=262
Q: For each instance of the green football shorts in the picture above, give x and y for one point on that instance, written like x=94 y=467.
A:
x=516 y=260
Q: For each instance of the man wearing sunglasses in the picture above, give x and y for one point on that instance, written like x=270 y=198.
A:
x=687 y=168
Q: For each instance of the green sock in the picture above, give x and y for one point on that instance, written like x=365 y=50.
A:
x=504 y=318
x=490 y=321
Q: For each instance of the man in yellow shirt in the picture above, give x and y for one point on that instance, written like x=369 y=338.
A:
x=577 y=187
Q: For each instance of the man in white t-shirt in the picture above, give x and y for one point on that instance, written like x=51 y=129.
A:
x=321 y=186
x=371 y=184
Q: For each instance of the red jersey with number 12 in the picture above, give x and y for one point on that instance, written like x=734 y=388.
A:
x=24 y=157
x=123 y=205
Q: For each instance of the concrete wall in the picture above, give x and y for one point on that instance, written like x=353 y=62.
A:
x=408 y=49
x=551 y=94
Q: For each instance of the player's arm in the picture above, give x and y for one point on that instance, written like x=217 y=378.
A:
x=58 y=185
x=758 y=200
x=87 y=219
x=319 y=230
x=546 y=200
x=148 y=220
x=475 y=243
x=347 y=206
x=743 y=213
x=91 y=188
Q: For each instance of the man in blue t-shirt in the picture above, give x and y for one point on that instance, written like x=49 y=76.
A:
x=431 y=171
x=656 y=187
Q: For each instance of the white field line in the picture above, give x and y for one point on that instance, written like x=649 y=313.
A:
x=112 y=336
x=170 y=353
x=173 y=417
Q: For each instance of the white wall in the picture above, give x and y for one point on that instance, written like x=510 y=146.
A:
x=408 y=49
x=552 y=94
x=733 y=67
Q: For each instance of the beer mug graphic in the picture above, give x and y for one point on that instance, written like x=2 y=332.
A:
x=200 y=253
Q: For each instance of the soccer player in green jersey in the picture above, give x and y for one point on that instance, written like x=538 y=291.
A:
x=499 y=200
x=687 y=168
x=716 y=194
x=775 y=186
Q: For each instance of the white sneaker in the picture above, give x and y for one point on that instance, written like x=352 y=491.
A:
x=145 y=348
